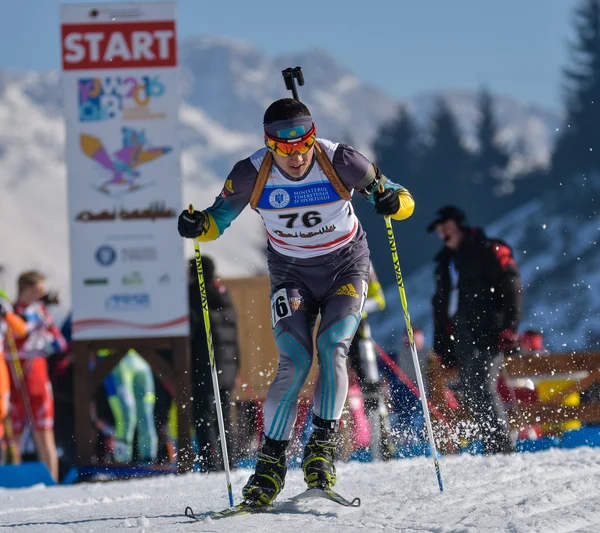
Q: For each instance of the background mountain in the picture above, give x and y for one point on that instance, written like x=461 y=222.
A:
x=225 y=88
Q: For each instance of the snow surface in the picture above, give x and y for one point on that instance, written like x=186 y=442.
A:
x=552 y=491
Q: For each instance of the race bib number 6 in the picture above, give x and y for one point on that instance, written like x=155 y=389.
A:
x=280 y=307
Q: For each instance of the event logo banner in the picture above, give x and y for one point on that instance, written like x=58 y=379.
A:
x=121 y=101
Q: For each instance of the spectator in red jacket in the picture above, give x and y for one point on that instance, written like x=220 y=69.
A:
x=31 y=399
x=477 y=309
x=532 y=342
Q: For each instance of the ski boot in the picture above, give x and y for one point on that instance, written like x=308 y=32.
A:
x=319 y=454
x=269 y=476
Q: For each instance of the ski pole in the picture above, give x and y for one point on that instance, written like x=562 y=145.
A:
x=413 y=348
x=213 y=366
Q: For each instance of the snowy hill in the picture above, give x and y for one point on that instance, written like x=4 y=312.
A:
x=226 y=86
x=234 y=82
x=555 y=241
x=552 y=491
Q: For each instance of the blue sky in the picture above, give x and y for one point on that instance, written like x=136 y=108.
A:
x=516 y=47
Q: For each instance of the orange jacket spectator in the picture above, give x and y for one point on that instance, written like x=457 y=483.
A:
x=13 y=327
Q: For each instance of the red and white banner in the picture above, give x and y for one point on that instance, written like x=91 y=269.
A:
x=123 y=45
x=121 y=101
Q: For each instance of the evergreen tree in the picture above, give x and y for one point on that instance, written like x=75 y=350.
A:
x=396 y=152
x=577 y=148
x=441 y=177
x=397 y=147
x=446 y=163
x=491 y=159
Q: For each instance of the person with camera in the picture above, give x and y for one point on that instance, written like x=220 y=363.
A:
x=31 y=399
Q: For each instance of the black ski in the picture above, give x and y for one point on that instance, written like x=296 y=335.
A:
x=240 y=509
x=246 y=508
x=327 y=494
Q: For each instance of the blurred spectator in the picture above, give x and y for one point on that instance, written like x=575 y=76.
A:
x=165 y=419
x=13 y=327
x=60 y=371
x=223 y=325
x=31 y=399
x=131 y=396
x=103 y=422
x=477 y=309
x=125 y=402
x=532 y=342
x=362 y=360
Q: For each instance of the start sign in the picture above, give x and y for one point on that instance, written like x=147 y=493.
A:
x=118 y=45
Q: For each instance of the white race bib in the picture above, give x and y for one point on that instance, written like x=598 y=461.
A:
x=280 y=306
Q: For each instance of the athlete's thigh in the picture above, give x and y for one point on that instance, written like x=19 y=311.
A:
x=293 y=315
x=346 y=298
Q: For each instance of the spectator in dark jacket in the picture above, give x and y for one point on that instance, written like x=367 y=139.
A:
x=223 y=325
x=477 y=309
